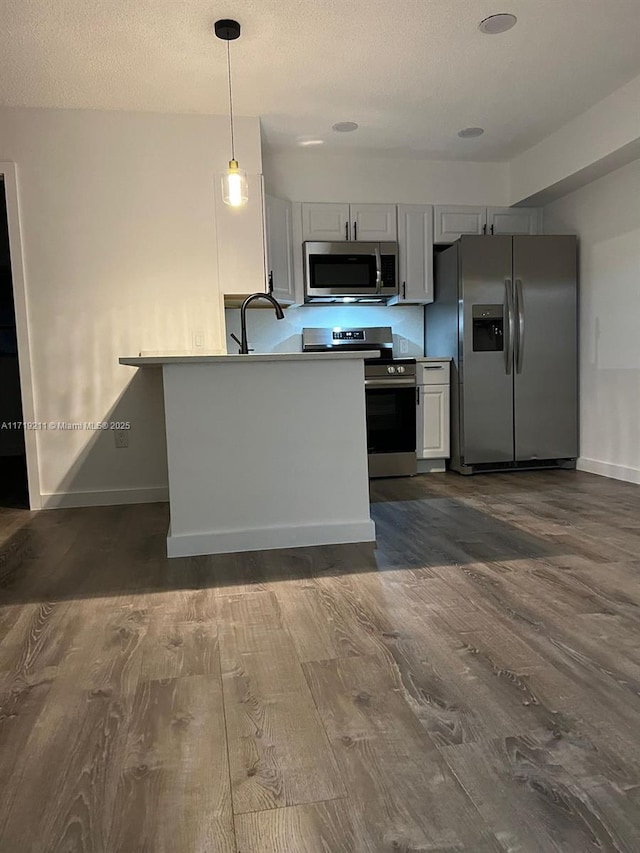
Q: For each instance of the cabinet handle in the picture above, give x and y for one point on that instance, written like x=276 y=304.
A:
x=484 y=228
x=404 y=289
x=270 y=281
x=346 y=230
x=492 y=229
x=434 y=367
x=355 y=230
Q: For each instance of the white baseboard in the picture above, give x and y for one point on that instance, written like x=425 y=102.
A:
x=106 y=497
x=268 y=538
x=609 y=469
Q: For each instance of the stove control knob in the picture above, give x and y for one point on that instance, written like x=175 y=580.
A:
x=391 y=369
x=400 y=369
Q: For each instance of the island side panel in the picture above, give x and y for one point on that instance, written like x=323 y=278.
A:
x=266 y=455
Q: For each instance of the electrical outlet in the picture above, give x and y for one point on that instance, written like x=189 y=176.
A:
x=121 y=437
x=404 y=345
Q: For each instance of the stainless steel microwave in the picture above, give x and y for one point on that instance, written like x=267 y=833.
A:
x=350 y=272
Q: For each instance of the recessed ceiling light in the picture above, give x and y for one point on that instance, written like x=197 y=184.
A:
x=470 y=132
x=495 y=24
x=345 y=126
x=308 y=142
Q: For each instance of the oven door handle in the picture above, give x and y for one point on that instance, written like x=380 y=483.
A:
x=378 y=269
x=390 y=383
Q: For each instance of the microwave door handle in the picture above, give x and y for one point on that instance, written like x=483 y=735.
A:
x=378 y=269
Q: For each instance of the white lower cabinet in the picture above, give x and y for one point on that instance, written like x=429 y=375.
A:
x=433 y=411
x=433 y=422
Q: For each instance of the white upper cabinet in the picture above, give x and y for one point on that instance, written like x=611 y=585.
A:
x=242 y=272
x=324 y=221
x=373 y=222
x=339 y=222
x=415 y=249
x=514 y=220
x=279 y=229
x=452 y=221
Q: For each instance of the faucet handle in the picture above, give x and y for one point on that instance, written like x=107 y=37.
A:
x=236 y=340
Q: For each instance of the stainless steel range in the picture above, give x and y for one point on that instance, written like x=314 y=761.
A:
x=390 y=395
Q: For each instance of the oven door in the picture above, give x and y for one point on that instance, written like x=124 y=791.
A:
x=391 y=427
x=342 y=269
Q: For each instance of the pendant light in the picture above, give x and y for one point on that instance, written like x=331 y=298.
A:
x=234 y=180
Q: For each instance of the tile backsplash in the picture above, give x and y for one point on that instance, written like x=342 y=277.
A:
x=267 y=334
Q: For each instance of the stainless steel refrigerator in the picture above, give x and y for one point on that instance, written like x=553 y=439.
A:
x=505 y=311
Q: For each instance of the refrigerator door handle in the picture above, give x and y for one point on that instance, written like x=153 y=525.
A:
x=510 y=326
x=520 y=313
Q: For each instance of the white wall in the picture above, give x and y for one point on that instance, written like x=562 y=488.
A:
x=119 y=240
x=606 y=216
x=599 y=140
x=306 y=175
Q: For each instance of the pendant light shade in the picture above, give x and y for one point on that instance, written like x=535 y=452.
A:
x=234 y=181
x=234 y=185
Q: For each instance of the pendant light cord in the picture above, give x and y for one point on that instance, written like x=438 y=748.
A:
x=233 y=149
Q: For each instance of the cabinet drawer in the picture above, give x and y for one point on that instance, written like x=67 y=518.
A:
x=432 y=373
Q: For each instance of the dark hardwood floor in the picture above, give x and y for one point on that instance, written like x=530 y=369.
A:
x=471 y=684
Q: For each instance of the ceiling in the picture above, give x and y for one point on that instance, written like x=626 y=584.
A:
x=410 y=72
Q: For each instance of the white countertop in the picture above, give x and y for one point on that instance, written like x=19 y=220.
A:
x=213 y=358
x=423 y=358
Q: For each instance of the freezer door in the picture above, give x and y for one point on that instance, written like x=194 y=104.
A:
x=486 y=338
x=546 y=348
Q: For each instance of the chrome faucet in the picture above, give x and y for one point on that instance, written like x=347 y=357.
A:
x=243 y=344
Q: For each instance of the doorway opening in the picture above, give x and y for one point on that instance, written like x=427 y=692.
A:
x=13 y=462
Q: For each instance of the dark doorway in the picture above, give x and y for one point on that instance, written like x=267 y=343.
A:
x=13 y=463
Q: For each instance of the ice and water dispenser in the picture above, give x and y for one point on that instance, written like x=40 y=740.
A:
x=488 y=328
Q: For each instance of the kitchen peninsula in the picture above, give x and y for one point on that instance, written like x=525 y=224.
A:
x=264 y=451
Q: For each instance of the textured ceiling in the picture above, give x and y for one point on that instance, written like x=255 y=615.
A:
x=410 y=72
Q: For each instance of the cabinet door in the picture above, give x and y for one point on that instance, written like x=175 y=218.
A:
x=415 y=249
x=373 y=222
x=298 y=259
x=323 y=221
x=240 y=235
x=433 y=422
x=452 y=221
x=279 y=249
x=514 y=220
